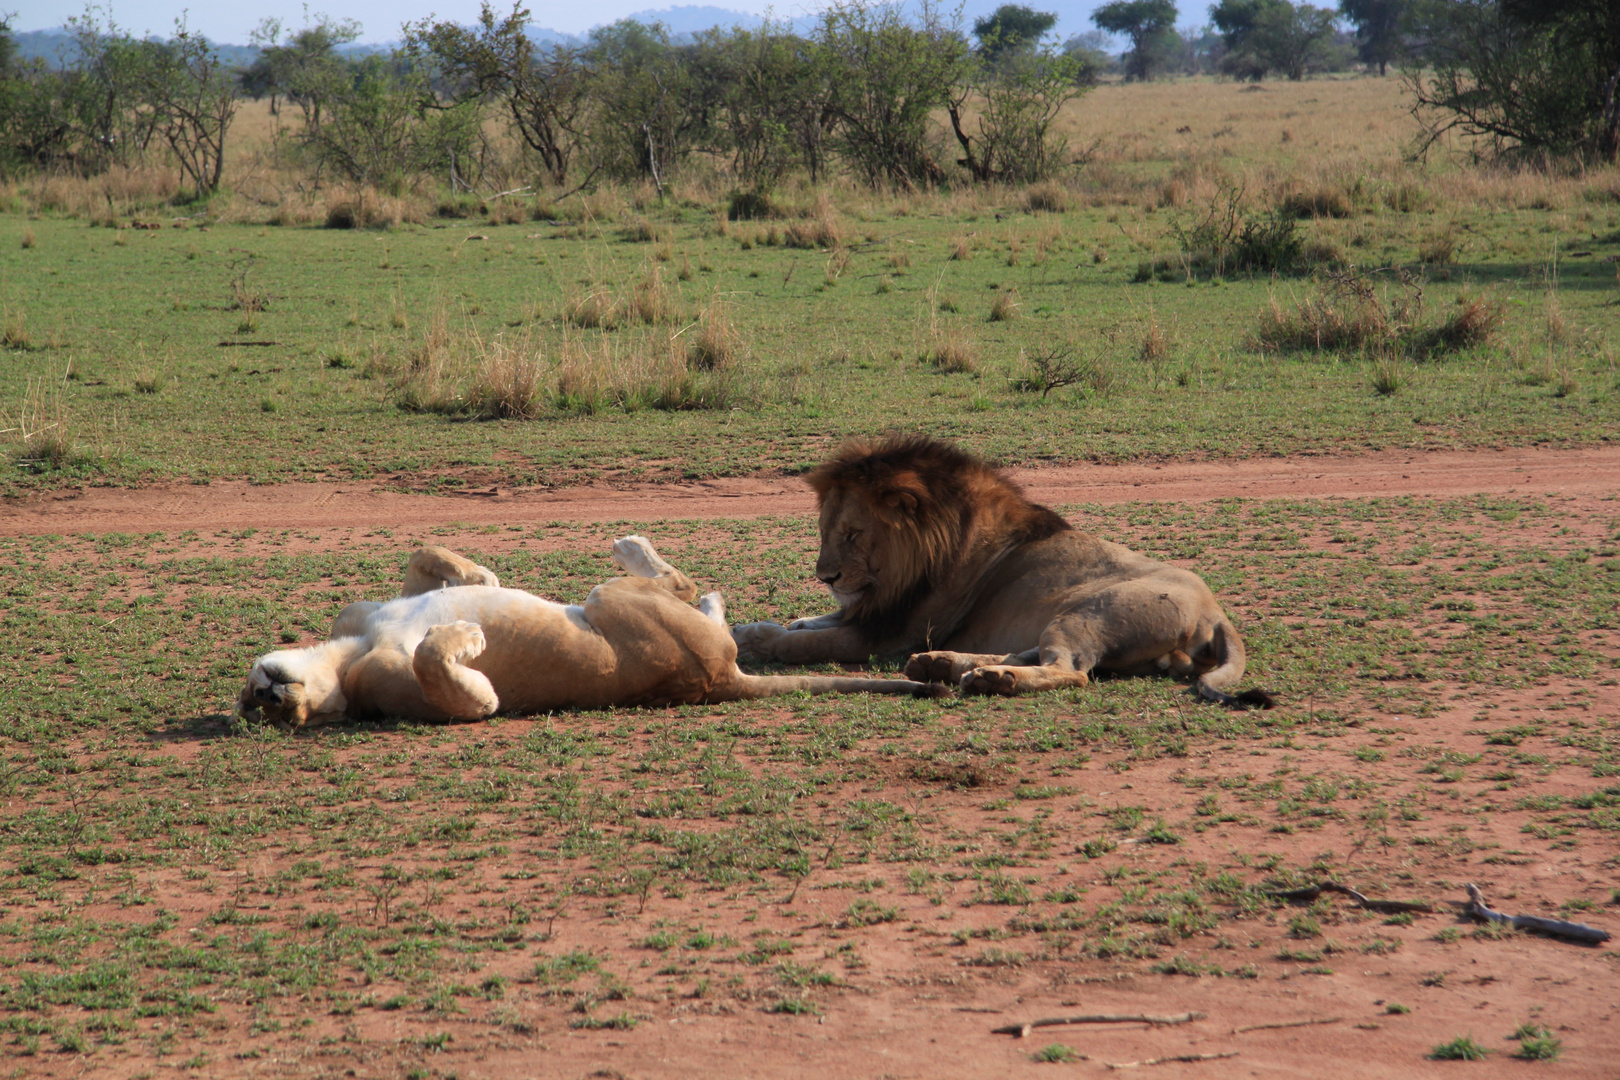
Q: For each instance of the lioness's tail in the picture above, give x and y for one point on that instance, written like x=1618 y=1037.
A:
x=1231 y=659
x=761 y=686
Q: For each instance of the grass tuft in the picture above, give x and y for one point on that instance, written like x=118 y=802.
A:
x=1005 y=309
x=1462 y=1048
x=950 y=351
x=716 y=342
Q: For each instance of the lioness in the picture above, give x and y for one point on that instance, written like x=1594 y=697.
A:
x=925 y=547
x=463 y=653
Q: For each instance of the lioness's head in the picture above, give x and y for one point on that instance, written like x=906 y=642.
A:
x=294 y=687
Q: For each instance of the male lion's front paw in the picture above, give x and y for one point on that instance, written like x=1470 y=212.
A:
x=757 y=638
x=997 y=679
x=943 y=667
x=456 y=642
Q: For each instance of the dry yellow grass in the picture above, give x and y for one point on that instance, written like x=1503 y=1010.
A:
x=1323 y=144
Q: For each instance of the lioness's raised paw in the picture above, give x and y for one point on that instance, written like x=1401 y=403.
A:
x=454 y=643
x=997 y=679
x=755 y=639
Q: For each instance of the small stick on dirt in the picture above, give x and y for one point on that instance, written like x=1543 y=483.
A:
x=1168 y=1060
x=1288 y=1024
x=1023 y=1030
x=1311 y=892
x=1574 y=931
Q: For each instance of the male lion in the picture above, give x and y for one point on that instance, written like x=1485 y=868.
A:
x=925 y=547
x=463 y=653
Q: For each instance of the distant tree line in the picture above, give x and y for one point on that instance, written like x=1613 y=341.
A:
x=857 y=92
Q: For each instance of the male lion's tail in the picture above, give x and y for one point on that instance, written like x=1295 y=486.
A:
x=762 y=686
x=1231 y=659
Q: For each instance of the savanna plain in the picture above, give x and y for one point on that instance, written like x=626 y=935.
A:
x=853 y=886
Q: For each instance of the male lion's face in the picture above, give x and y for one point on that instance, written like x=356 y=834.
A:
x=287 y=688
x=852 y=545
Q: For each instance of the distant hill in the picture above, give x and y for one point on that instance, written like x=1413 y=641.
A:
x=57 y=48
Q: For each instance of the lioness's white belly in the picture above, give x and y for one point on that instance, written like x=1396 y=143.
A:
x=404 y=622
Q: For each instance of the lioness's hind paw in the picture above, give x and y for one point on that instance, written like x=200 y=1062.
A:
x=991 y=680
x=636 y=555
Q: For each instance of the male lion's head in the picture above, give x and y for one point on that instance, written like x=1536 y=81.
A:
x=293 y=687
x=896 y=514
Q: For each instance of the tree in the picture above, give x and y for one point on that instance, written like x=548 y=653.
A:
x=376 y=132
x=774 y=101
x=543 y=91
x=1527 y=78
x=888 y=76
x=1011 y=29
x=304 y=68
x=1378 y=29
x=646 y=118
x=1262 y=36
x=192 y=99
x=1019 y=99
x=1145 y=22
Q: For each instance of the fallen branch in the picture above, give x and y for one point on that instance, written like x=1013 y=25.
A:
x=244 y=344
x=1168 y=1060
x=1287 y=1024
x=1574 y=931
x=1023 y=1030
x=1311 y=892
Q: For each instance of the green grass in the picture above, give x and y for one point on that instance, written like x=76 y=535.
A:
x=159 y=379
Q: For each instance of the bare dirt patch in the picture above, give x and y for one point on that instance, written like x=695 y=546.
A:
x=814 y=888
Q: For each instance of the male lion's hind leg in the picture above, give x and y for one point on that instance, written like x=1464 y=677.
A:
x=447 y=683
x=639 y=559
x=949 y=667
x=440 y=568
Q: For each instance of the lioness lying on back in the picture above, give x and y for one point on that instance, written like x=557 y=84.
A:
x=456 y=646
x=927 y=548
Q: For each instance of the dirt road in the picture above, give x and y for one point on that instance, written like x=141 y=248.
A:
x=1592 y=472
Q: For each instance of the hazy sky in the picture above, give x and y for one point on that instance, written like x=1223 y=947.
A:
x=230 y=23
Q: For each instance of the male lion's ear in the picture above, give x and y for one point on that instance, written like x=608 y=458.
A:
x=903 y=501
x=904 y=492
